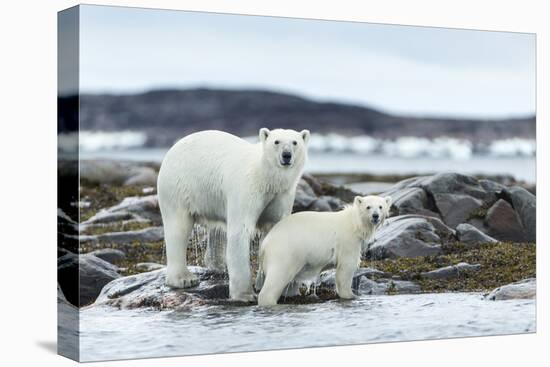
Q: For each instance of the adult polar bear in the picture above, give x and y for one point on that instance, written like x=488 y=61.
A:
x=217 y=179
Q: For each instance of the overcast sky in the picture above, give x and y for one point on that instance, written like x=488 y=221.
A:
x=398 y=69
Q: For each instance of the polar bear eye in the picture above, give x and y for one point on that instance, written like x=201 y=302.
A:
x=380 y=207
x=276 y=142
x=368 y=207
x=294 y=142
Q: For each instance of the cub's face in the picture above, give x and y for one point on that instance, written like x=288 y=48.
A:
x=285 y=148
x=373 y=209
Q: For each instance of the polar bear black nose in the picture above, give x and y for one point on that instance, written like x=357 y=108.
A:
x=376 y=216
x=287 y=156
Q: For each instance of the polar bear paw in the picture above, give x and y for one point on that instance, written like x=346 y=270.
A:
x=244 y=297
x=347 y=296
x=182 y=280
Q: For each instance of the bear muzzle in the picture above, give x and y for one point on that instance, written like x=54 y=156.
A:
x=286 y=158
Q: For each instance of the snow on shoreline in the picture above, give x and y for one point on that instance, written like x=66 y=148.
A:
x=403 y=147
x=102 y=140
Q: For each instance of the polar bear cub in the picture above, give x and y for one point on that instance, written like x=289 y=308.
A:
x=220 y=180
x=300 y=246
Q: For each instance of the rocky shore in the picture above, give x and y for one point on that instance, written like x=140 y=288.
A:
x=447 y=233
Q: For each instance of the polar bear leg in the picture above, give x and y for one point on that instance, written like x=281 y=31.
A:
x=275 y=283
x=239 y=236
x=177 y=229
x=344 y=278
x=214 y=258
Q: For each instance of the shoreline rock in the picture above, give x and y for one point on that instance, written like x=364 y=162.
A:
x=148 y=290
x=430 y=214
x=387 y=286
x=90 y=274
x=130 y=208
x=503 y=223
x=104 y=171
x=452 y=271
x=110 y=255
x=409 y=236
x=151 y=234
x=470 y=235
x=524 y=289
x=525 y=205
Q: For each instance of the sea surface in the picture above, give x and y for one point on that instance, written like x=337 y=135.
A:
x=108 y=333
x=520 y=167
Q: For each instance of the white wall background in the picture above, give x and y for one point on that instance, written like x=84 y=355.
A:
x=28 y=182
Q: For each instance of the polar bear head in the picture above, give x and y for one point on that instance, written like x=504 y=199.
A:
x=284 y=148
x=373 y=209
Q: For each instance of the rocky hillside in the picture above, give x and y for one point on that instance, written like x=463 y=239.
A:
x=163 y=114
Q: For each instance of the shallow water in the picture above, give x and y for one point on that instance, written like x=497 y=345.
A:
x=107 y=333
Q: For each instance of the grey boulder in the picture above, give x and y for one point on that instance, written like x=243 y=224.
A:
x=503 y=223
x=117 y=172
x=140 y=208
x=445 y=183
x=142 y=176
x=455 y=208
x=409 y=236
x=411 y=200
x=452 y=271
x=327 y=279
x=491 y=186
x=525 y=205
x=386 y=286
x=148 y=266
x=470 y=235
x=152 y=234
x=453 y=196
x=455 y=183
x=311 y=199
x=305 y=196
x=524 y=289
x=110 y=255
x=148 y=290
x=91 y=274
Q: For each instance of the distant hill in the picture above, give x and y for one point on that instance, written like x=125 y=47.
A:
x=166 y=115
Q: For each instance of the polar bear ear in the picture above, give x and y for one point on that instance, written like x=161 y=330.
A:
x=389 y=201
x=264 y=133
x=305 y=135
x=358 y=200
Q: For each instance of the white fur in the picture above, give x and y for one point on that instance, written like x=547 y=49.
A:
x=219 y=180
x=300 y=246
